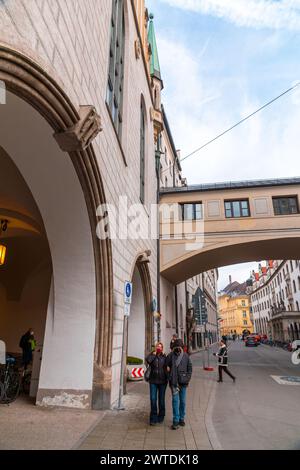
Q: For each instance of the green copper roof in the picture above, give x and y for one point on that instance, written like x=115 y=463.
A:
x=154 y=61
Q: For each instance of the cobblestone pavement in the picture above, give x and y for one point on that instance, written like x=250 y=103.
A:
x=130 y=429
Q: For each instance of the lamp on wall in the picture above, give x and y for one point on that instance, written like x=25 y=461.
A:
x=2 y=254
x=3 y=228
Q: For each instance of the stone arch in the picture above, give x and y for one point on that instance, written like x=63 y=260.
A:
x=141 y=266
x=74 y=130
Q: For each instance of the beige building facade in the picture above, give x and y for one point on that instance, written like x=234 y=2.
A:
x=234 y=313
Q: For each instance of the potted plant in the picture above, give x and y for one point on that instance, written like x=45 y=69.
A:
x=135 y=368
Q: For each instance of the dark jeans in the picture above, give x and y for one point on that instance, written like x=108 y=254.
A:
x=225 y=369
x=157 y=391
x=178 y=404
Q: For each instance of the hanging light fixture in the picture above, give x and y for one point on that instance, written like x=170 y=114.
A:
x=3 y=228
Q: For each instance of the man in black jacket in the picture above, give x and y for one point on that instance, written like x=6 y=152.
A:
x=158 y=383
x=180 y=369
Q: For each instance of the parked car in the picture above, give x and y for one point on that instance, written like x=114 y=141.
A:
x=251 y=341
x=257 y=336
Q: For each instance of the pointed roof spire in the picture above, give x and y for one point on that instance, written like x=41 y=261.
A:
x=154 y=60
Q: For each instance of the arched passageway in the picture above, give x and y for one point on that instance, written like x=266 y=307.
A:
x=65 y=191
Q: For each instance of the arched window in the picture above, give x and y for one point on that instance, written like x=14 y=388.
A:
x=142 y=152
x=114 y=97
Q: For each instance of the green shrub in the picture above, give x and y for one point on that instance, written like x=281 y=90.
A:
x=134 y=361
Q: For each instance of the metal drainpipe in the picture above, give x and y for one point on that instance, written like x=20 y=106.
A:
x=157 y=160
x=186 y=308
x=176 y=311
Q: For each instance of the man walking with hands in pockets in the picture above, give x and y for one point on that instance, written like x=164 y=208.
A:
x=179 y=366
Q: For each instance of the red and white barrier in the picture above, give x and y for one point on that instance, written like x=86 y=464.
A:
x=137 y=373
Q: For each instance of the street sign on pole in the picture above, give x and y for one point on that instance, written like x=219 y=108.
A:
x=128 y=292
x=127 y=310
x=127 y=305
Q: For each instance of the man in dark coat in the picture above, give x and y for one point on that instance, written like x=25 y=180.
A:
x=174 y=338
x=180 y=369
x=158 y=383
x=26 y=346
x=222 y=356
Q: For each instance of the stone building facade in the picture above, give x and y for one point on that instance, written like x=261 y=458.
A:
x=275 y=298
x=78 y=127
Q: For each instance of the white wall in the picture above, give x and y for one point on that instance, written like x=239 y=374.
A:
x=69 y=340
x=136 y=321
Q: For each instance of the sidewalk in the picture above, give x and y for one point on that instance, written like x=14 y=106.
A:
x=24 y=426
x=130 y=429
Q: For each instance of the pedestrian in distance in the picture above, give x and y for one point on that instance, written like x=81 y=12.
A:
x=174 y=338
x=222 y=356
x=158 y=382
x=180 y=373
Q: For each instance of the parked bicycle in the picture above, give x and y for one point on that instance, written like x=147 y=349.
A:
x=9 y=381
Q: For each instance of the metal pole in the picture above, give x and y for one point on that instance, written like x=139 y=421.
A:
x=120 y=407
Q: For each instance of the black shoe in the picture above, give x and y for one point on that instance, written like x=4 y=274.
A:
x=153 y=424
x=175 y=426
x=234 y=379
x=219 y=381
x=181 y=423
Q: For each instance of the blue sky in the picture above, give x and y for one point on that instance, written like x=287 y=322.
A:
x=221 y=60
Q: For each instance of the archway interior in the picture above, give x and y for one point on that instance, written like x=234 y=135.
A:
x=137 y=320
x=59 y=207
x=25 y=276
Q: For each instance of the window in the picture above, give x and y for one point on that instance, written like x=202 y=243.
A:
x=192 y=211
x=294 y=286
x=245 y=322
x=114 y=97
x=243 y=303
x=142 y=153
x=244 y=314
x=285 y=205
x=237 y=209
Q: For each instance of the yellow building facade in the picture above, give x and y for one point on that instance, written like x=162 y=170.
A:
x=234 y=314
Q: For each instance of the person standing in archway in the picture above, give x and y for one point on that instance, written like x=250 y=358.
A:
x=27 y=344
x=222 y=356
x=158 y=384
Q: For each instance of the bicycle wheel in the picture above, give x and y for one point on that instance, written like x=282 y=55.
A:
x=11 y=387
x=1 y=392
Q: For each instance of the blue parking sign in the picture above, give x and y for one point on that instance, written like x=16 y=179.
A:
x=128 y=292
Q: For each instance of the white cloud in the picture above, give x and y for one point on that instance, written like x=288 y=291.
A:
x=198 y=108
x=250 y=13
x=238 y=272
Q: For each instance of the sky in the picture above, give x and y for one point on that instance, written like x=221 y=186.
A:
x=221 y=60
